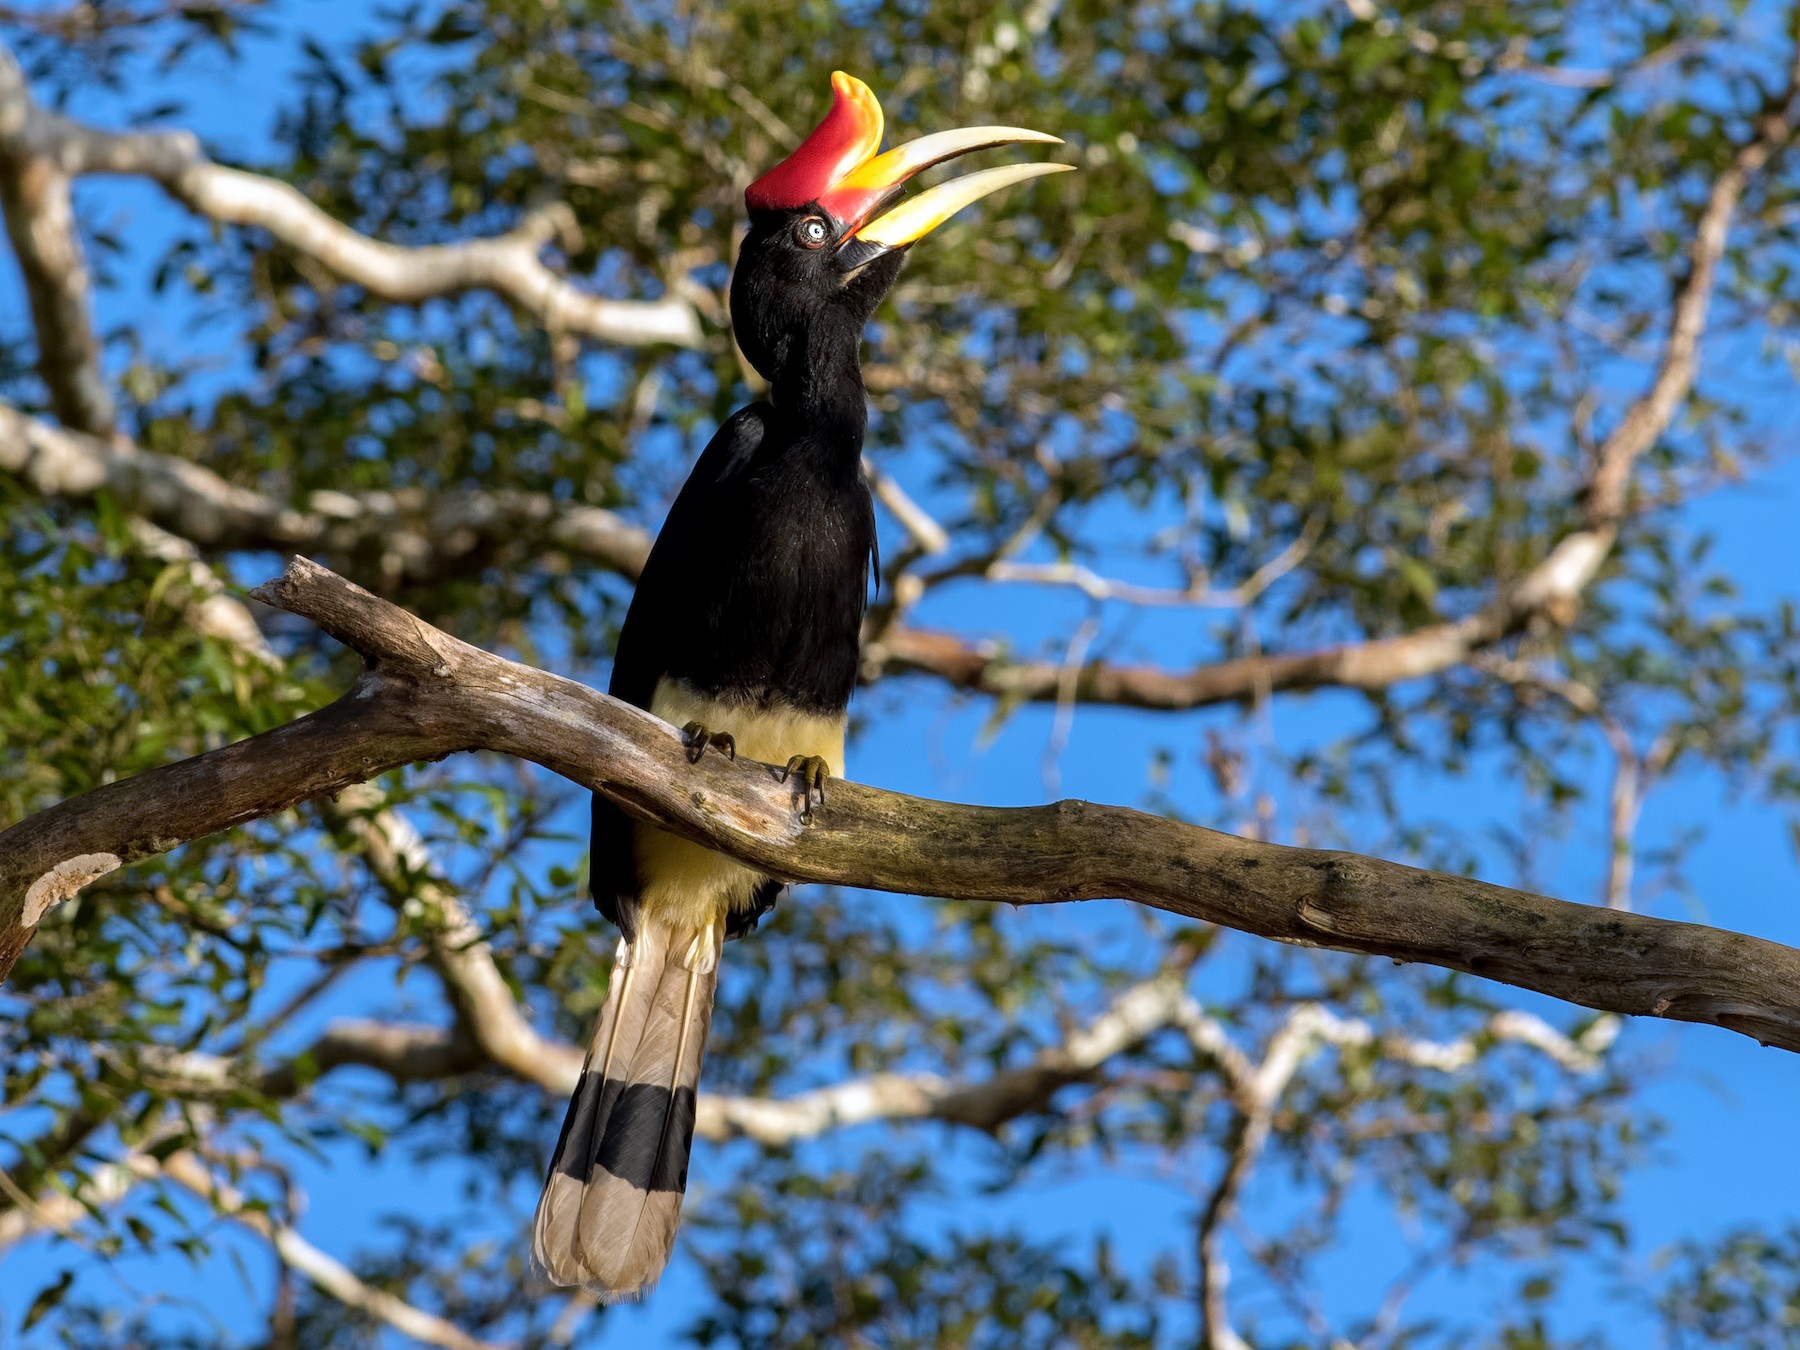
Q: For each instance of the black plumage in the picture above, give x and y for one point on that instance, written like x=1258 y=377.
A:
x=743 y=631
x=755 y=591
x=749 y=607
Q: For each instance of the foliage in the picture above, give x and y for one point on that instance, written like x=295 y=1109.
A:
x=1363 y=284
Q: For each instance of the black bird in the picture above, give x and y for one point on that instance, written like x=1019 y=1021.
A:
x=743 y=632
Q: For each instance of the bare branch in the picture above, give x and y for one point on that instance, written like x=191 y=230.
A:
x=1624 y=804
x=109 y=1183
x=1256 y=1092
x=1374 y=664
x=427 y=695
x=40 y=221
x=415 y=535
x=1529 y=680
x=1633 y=771
x=411 y=535
x=509 y=264
x=408 y=1053
x=1650 y=415
x=412 y=1053
x=1216 y=1329
x=1199 y=595
x=1550 y=590
x=405 y=1052
x=985 y=1104
x=1575 y=77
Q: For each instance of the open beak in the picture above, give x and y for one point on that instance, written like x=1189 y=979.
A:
x=838 y=168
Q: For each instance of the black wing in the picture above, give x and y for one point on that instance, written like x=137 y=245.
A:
x=645 y=639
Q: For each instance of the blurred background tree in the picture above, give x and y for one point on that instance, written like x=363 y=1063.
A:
x=1338 y=459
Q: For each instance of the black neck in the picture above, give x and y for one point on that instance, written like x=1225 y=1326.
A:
x=820 y=383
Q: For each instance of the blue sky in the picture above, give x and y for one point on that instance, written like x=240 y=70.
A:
x=1729 y=1104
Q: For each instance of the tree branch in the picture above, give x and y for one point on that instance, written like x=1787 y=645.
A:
x=109 y=1183
x=1650 y=415
x=422 y=536
x=984 y=1104
x=59 y=1211
x=1197 y=593
x=484 y=1001
x=426 y=695
x=1550 y=590
x=405 y=1052
x=416 y=536
x=1256 y=1090
x=40 y=221
x=410 y=1053
x=324 y=1270
x=411 y=536
x=508 y=264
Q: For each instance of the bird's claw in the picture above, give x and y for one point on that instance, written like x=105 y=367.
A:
x=696 y=737
x=812 y=771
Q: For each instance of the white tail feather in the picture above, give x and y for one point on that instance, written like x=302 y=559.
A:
x=612 y=1201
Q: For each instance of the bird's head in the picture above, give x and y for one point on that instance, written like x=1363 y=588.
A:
x=826 y=235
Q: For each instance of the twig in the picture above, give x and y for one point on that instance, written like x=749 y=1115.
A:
x=1199 y=595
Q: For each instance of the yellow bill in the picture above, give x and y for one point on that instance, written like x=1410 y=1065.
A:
x=917 y=217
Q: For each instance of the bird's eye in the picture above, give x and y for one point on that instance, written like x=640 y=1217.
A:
x=811 y=233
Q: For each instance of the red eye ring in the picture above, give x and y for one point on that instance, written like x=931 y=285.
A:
x=812 y=232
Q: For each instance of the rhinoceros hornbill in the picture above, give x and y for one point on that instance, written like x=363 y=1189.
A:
x=743 y=632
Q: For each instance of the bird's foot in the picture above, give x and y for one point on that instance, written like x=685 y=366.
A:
x=696 y=737
x=811 y=771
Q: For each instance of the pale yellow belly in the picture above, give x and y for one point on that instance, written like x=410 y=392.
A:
x=693 y=887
